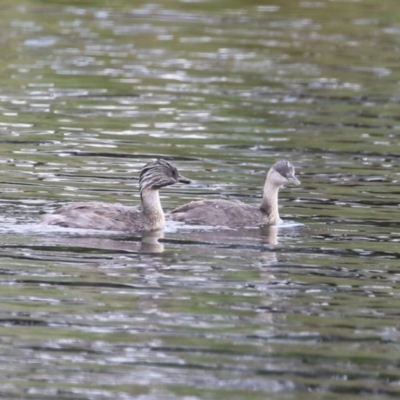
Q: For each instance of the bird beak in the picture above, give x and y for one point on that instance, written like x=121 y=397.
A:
x=293 y=179
x=182 y=179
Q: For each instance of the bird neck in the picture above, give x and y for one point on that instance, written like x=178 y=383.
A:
x=269 y=203
x=151 y=207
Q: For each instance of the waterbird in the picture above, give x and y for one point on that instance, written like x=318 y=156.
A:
x=118 y=217
x=226 y=213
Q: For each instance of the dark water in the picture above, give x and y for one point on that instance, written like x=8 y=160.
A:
x=90 y=91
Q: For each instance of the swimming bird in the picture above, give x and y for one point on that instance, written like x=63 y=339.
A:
x=118 y=217
x=235 y=213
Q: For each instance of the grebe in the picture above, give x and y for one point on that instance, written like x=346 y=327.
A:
x=235 y=213
x=104 y=216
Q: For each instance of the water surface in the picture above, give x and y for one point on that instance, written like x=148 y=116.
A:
x=91 y=91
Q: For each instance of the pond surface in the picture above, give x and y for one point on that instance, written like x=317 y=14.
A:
x=92 y=91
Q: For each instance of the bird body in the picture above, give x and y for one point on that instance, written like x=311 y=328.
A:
x=98 y=215
x=118 y=217
x=220 y=212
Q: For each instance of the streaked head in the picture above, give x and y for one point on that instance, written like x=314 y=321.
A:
x=160 y=173
x=282 y=173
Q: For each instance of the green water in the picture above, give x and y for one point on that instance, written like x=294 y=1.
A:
x=92 y=90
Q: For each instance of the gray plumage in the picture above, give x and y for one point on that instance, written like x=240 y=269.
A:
x=118 y=217
x=285 y=168
x=235 y=213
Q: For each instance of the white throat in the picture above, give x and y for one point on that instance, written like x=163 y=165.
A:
x=269 y=203
x=151 y=206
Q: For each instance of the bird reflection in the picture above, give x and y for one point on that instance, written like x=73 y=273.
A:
x=227 y=242
x=147 y=242
x=261 y=235
x=196 y=239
